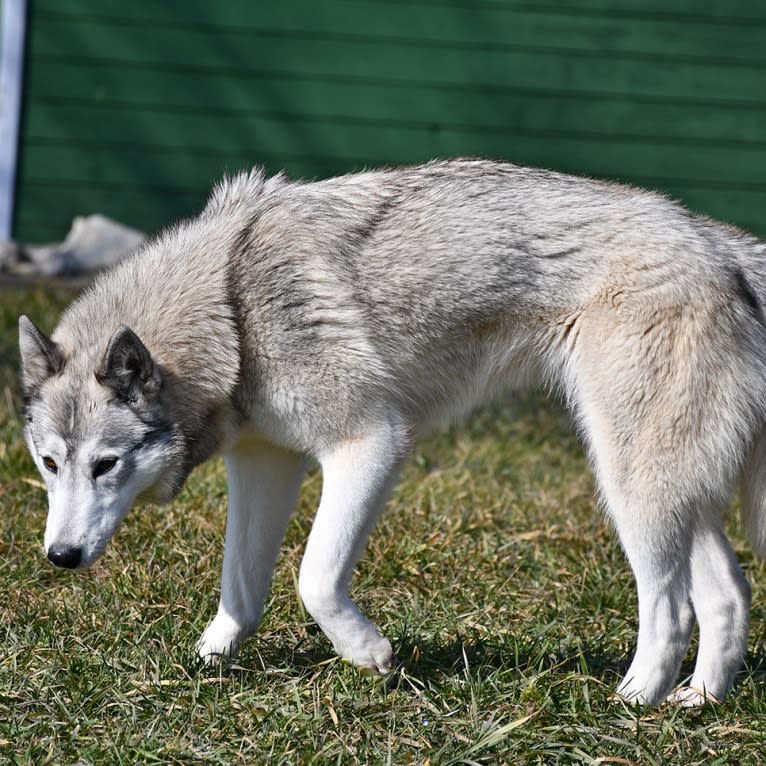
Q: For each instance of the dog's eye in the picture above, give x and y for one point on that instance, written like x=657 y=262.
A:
x=104 y=466
x=50 y=464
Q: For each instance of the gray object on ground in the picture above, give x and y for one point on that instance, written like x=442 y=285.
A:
x=93 y=243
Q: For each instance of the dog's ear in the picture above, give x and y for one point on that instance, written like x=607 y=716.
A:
x=128 y=368
x=40 y=357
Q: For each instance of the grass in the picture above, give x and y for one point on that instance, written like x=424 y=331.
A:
x=506 y=597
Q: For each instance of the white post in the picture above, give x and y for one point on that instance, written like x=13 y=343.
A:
x=13 y=27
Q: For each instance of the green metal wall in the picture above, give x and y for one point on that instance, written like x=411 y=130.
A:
x=133 y=108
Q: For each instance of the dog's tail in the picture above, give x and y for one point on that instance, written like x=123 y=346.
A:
x=754 y=496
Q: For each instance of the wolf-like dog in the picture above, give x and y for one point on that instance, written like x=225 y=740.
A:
x=340 y=319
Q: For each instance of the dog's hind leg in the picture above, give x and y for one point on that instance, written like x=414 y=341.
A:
x=721 y=593
x=721 y=598
x=264 y=481
x=357 y=478
x=682 y=574
x=649 y=394
x=669 y=387
x=660 y=562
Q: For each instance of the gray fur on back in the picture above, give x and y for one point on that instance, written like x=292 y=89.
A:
x=349 y=289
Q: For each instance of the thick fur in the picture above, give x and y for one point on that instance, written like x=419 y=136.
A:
x=340 y=319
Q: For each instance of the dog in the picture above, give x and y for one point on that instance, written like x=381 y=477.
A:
x=340 y=319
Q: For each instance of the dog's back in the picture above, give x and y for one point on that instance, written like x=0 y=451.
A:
x=432 y=288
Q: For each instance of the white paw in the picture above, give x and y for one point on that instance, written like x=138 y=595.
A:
x=372 y=655
x=688 y=696
x=221 y=639
x=631 y=691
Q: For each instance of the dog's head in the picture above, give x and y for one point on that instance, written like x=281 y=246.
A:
x=100 y=436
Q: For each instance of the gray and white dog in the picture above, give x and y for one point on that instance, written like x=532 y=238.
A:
x=342 y=318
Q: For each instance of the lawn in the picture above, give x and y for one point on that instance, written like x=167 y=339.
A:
x=505 y=595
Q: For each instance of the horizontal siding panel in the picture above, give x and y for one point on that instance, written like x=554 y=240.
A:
x=114 y=164
x=309 y=98
x=47 y=214
x=588 y=28
x=225 y=51
x=373 y=143
x=714 y=12
x=103 y=77
x=148 y=167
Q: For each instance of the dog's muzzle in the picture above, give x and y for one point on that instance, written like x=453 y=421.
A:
x=64 y=556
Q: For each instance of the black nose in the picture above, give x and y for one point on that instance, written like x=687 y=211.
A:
x=63 y=556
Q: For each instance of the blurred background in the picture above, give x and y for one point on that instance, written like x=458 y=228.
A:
x=133 y=109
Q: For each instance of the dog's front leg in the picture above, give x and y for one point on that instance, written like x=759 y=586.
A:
x=357 y=478
x=263 y=486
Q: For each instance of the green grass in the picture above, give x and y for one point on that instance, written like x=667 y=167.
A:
x=506 y=598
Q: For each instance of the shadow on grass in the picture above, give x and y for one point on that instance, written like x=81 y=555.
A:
x=432 y=663
x=428 y=660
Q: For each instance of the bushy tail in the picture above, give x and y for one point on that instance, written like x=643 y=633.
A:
x=754 y=496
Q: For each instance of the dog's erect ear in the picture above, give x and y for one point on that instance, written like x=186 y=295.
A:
x=40 y=356
x=128 y=368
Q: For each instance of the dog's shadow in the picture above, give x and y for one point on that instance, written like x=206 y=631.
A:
x=429 y=661
x=432 y=662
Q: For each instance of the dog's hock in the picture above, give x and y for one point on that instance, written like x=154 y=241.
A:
x=354 y=638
